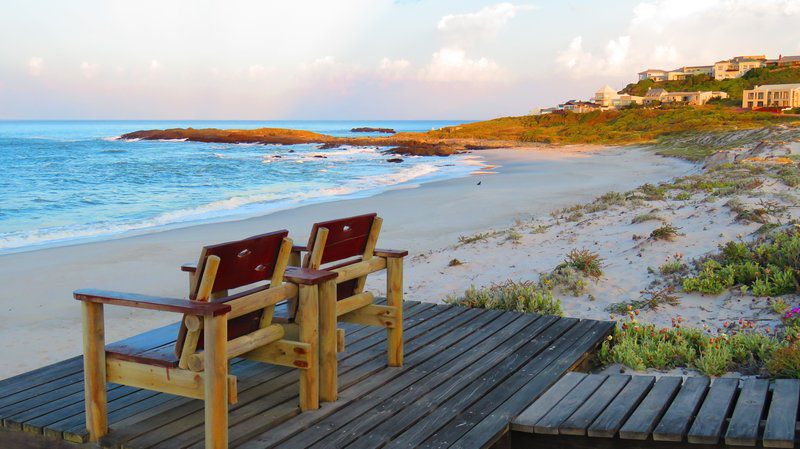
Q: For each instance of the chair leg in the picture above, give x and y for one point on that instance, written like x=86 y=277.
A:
x=94 y=369
x=215 y=334
x=327 y=342
x=394 y=298
x=308 y=312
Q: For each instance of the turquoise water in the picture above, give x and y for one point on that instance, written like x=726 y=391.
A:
x=68 y=181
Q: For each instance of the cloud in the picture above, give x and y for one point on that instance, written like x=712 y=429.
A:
x=483 y=23
x=257 y=71
x=155 y=66
x=393 y=69
x=89 y=70
x=664 y=34
x=35 y=66
x=453 y=64
x=580 y=62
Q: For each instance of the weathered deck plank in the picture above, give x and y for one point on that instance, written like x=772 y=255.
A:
x=620 y=409
x=578 y=423
x=568 y=405
x=743 y=426
x=650 y=410
x=467 y=373
x=679 y=415
x=707 y=427
x=782 y=417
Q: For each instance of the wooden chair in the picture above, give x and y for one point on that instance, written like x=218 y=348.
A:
x=347 y=247
x=213 y=331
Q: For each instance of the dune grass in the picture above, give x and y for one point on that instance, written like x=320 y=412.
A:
x=610 y=127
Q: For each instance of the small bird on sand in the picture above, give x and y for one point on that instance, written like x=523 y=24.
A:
x=479 y=182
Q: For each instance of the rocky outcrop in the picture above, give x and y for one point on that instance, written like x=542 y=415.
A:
x=418 y=144
x=373 y=130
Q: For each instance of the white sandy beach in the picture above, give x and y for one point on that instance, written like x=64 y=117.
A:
x=42 y=322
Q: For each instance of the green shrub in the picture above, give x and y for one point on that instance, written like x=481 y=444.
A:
x=643 y=346
x=769 y=266
x=649 y=216
x=666 y=232
x=590 y=264
x=673 y=265
x=713 y=279
x=523 y=296
x=785 y=362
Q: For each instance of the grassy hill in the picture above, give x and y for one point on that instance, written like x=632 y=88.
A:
x=612 y=127
x=733 y=87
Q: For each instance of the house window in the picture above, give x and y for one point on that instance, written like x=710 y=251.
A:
x=750 y=104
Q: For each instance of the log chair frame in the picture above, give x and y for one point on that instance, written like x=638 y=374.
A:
x=204 y=375
x=359 y=307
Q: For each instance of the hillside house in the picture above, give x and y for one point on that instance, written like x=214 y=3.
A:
x=608 y=98
x=653 y=74
x=784 y=62
x=691 y=98
x=737 y=66
x=579 y=107
x=783 y=96
x=687 y=71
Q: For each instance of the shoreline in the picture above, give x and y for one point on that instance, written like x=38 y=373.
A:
x=470 y=163
x=528 y=183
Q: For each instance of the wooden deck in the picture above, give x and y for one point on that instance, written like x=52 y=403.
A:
x=639 y=411
x=467 y=374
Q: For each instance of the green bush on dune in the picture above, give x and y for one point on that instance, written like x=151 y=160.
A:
x=767 y=267
x=524 y=296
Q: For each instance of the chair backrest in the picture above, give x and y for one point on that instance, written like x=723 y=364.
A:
x=242 y=263
x=347 y=242
x=347 y=238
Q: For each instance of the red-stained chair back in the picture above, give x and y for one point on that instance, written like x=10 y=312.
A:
x=242 y=263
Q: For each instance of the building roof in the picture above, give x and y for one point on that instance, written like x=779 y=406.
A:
x=777 y=86
x=653 y=71
x=788 y=58
x=606 y=90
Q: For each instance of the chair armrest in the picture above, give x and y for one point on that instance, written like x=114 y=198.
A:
x=299 y=248
x=391 y=253
x=308 y=276
x=151 y=302
x=189 y=267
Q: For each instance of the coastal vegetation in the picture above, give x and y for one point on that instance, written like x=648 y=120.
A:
x=523 y=296
x=768 y=266
x=626 y=126
x=571 y=276
x=735 y=347
x=733 y=87
x=611 y=127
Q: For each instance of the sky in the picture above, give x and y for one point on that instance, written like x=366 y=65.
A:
x=357 y=59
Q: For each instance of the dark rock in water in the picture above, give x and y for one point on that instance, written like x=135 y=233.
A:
x=395 y=160
x=373 y=130
x=276 y=156
x=320 y=156
x=291 y=151
x=328 y=146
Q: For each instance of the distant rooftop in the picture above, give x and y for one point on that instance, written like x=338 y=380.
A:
x=778 y=86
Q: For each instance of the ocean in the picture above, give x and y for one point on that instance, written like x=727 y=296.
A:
x=66 y=182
